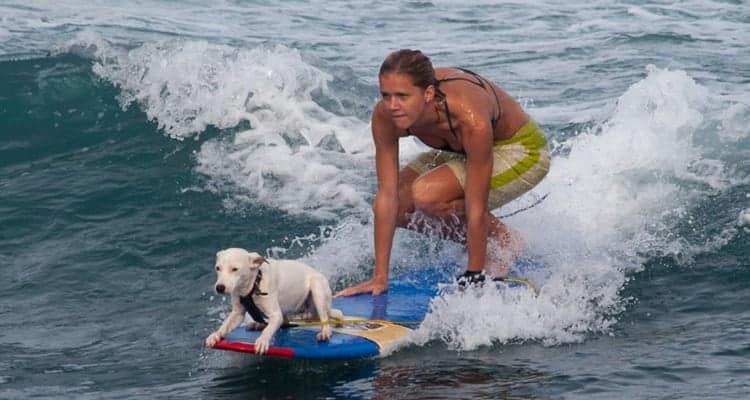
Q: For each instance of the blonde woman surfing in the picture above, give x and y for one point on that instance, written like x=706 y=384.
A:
x=486 y=152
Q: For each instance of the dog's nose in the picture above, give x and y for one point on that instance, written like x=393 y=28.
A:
x=220 y=289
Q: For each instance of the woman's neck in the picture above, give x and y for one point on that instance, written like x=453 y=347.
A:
x=431 y=116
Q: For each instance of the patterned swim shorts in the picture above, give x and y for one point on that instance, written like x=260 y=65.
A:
x=520 y=163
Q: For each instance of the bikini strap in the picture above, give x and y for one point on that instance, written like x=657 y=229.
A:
x=440 y=95
x=479 y=82
x=448 y=116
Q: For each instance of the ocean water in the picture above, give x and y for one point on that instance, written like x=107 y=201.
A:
x=138 y=138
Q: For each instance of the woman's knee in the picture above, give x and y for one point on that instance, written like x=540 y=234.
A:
x=405 y=204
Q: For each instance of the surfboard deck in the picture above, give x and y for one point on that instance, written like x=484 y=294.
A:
x=371 y=325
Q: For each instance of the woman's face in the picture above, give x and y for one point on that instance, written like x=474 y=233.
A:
x=403 y=100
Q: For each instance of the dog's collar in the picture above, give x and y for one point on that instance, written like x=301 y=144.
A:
x=256 y=285
x=249 y=304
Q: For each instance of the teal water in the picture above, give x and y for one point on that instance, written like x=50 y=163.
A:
x=137 y=140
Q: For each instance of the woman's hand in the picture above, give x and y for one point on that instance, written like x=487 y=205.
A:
x=374 y=286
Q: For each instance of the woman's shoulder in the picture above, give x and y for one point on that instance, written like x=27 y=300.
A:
x=446 y=72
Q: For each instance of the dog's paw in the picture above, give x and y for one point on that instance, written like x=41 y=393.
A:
x=262 y=344
x=255 y=326
x=212 y=339
x=324 y=334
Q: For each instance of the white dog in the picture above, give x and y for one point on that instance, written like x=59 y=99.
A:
x=270 y=291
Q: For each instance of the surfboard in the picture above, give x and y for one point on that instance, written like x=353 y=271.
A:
x=371 y=325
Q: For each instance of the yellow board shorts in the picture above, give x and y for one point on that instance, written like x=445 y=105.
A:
x=519 y=164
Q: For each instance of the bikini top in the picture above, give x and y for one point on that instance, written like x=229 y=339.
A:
x=441 y=95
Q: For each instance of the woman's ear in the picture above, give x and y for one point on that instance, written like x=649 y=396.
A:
x=429 y=93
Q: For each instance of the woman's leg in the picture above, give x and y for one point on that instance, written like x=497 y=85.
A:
x=406 y=179
x=439 y=195
x=503 y=246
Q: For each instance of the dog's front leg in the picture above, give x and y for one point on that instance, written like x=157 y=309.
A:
x=232 y=321
x=321 y=298
x=270 y=306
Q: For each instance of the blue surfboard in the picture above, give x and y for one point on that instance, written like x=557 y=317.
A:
x=371 y=325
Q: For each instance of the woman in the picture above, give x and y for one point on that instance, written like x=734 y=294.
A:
x=487 y=152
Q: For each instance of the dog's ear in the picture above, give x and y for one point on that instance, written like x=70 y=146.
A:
x=256 y=260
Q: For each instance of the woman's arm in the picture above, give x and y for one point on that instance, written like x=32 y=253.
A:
x=477 y=143
x=386 y=199
x=385 y=205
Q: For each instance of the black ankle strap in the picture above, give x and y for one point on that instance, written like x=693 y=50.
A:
x=471 y=278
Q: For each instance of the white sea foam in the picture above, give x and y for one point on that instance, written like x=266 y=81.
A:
x=292 y=154
x=734 y=121
x=744 y=218
x=621 y=180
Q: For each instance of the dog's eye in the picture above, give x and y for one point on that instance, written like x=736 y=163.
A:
x=217 y=268
x=234 y=269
